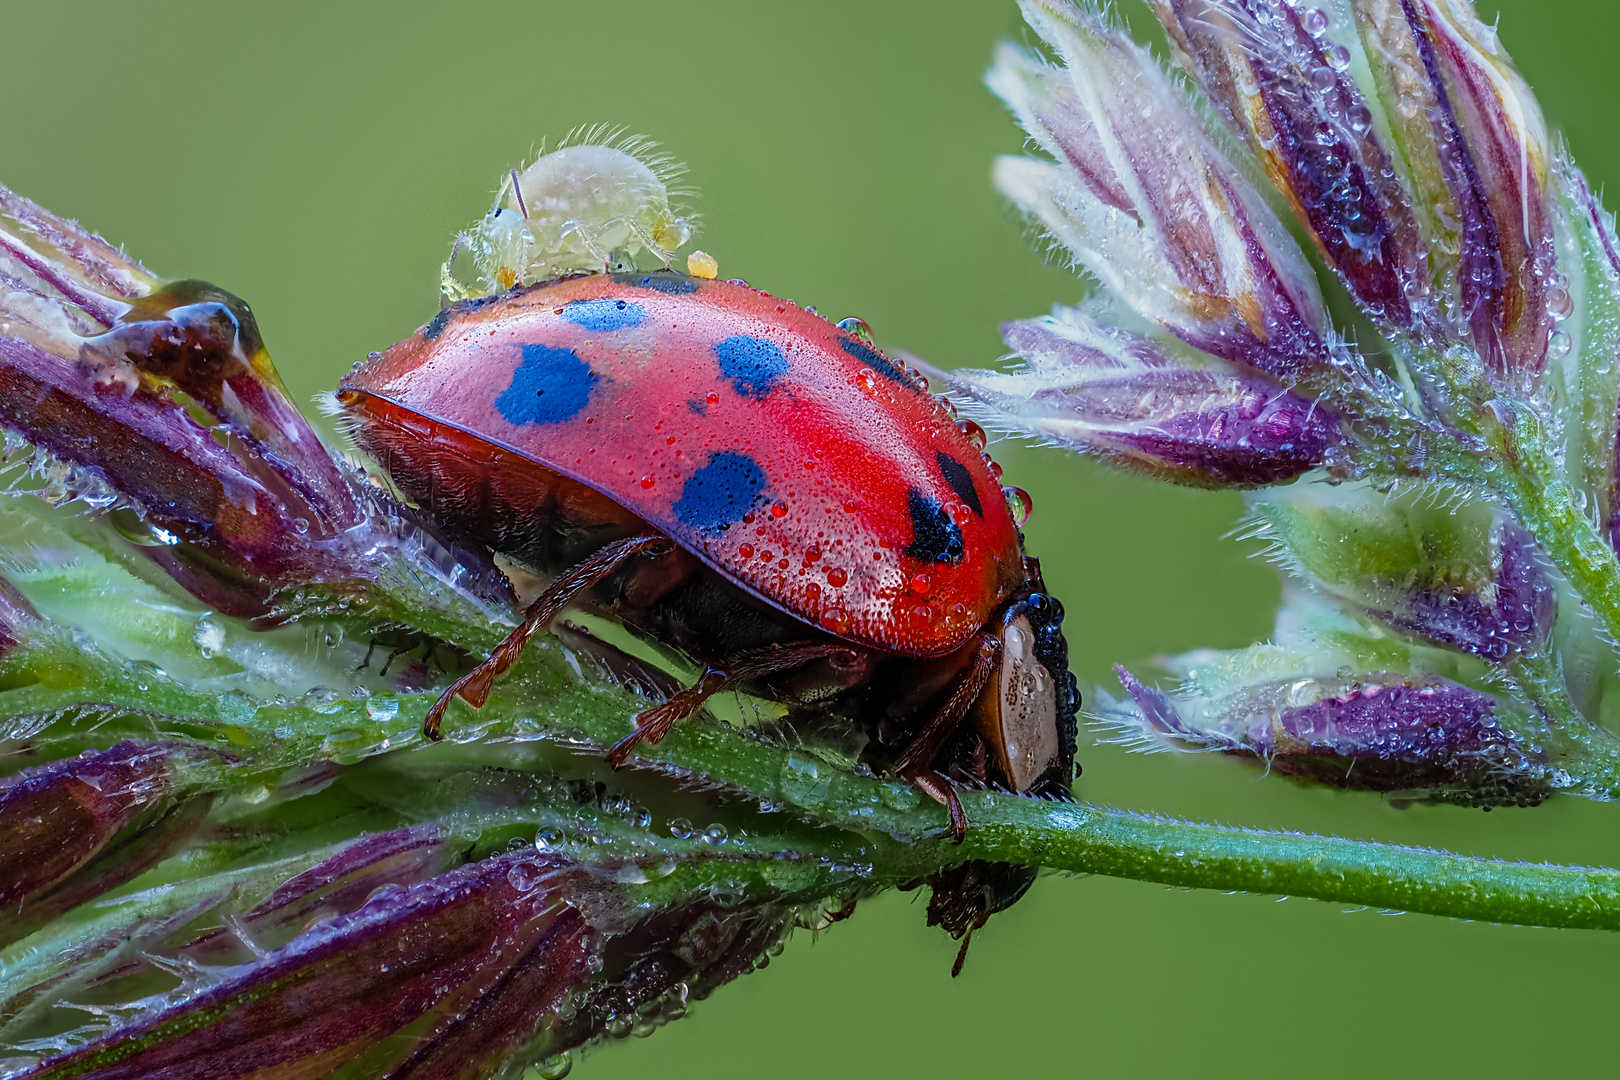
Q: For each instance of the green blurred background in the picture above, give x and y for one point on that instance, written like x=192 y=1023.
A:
x=316 y=158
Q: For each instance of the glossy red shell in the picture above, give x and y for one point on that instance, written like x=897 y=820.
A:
x=781 y=450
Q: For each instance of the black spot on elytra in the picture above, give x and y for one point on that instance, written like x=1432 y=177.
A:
x=673 y=284
x=874 y=360
x=461 y=307
x=701 y=408
x=936 y=538
x=956 y=474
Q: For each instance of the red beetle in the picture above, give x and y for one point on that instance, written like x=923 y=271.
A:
x=733 y=476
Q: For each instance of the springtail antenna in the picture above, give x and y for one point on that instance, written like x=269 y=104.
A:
x=517 y=190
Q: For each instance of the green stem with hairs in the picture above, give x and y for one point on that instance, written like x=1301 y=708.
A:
x=1144 y=848
x=1585 y=750
x=1531 y=482
x=831 y=816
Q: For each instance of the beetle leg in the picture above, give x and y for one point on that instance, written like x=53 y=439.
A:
x=654 y=723
x=942 y=791
x=916 y=762
x=474 y=686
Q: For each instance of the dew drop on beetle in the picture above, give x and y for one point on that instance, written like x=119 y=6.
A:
x=1020 y=503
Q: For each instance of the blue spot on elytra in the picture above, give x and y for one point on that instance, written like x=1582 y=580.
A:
x=604 y=315
x=752 y=364
x=664 y=283
x=935 y=537
x=436 y=327
x=550 y=386
x=719 y=494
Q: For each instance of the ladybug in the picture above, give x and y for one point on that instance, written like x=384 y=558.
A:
x=728 y=474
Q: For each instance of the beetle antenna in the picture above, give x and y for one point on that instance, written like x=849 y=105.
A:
x=517 y=190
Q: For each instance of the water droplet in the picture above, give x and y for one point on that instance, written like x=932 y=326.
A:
x=835 y=619
x=1558 y=345
x=382 y=707
x=857 y=327
x=131 y=527
x=1314 y=21
x=1019 y=504
x=1337 y=57
x=554 y=1067
x=779 y=510
x=525 y=877
x=648 y=481
x=1322 y=77
x=716 y=834
x=301 y=525
x=209 y=637
x=548 y=838
x=1559 y=304
x=681 y=829
x=837 y=576
x=975 y=434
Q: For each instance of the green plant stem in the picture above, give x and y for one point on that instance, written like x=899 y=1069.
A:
x=1531 y=482
x=865 y=820
x=1143 y=848
x=1581 y=747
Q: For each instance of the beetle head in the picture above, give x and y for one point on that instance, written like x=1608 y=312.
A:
x=1026 y=711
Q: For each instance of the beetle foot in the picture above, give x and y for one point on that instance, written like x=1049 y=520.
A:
x=942 y=791
x=654 y=723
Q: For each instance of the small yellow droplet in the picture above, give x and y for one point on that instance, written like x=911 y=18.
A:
x=506 y=276
x=702 y=264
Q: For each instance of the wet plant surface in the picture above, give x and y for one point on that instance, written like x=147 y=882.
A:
x=278 y=770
